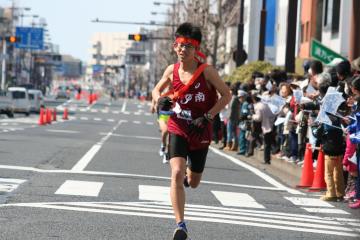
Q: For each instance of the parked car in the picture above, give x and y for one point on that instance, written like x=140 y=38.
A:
x=20 y=99
x=36 y=100
x=6 y=104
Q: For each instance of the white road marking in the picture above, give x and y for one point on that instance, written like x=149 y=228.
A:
x=231 y=216
x=126 y=113
x=154 y=193
x=80 y=188
x=94 y=110
x=115 y=112
x=85 y=160
x=311 y=202
x=130 y=136
x=10 y=184
x=137 y=113
x=124 y=106
x=149 y=123
x=232 y=199
x=136 y=122
x=111 y=120
x=105 y=111
x=257 y=172
x=97 y=119
x=116 y=174
x=84 y=118
x=147 y=114
x=326 y=210
x=61 y=131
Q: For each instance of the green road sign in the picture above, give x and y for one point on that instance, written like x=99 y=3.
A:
x=322 y=53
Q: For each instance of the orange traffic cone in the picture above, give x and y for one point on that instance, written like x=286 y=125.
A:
x=54 y=114
x=41 y=117
x=48 y=116
x=307 y=175
x=319 y=183
x=65 y=115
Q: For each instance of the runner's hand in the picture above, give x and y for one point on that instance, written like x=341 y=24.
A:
x=199 y=124
x=164 y=103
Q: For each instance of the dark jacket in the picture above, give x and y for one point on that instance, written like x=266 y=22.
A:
x=331 y=138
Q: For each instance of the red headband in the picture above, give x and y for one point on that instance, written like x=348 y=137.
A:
x=193 y=42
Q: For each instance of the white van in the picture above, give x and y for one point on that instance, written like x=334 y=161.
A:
x=20 y=99
x=36 y=100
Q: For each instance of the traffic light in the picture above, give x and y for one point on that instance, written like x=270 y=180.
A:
x=12 y=39
x=138 y=37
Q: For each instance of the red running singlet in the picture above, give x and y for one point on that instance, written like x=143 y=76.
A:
x=197 y=101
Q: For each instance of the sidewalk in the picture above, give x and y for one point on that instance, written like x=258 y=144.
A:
x=287 y=173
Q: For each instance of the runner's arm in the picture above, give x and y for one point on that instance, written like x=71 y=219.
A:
x=163 y=83
x=212 y=76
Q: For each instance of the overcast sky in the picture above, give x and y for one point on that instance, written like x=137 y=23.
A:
x=69 y=21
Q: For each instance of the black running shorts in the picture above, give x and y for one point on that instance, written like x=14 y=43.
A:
x=179 y=147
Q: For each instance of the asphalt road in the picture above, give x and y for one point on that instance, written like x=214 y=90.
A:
x=98 y=175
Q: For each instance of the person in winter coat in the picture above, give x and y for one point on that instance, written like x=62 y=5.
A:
x=333 y=144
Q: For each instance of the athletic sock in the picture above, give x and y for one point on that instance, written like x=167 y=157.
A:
x=182 y=225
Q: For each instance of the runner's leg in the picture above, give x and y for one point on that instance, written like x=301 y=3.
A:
x=193 y=178
x=177 y=191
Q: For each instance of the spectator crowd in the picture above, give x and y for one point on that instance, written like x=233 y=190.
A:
x=279 y=114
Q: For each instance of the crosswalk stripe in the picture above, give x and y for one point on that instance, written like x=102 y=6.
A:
x=326 y=210
x=232 y=199
x=80 y=188
x=312 y=202
x=154 y=193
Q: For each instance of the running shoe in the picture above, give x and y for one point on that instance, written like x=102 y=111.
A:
x=180 y=234
x=162 y=151
x=165 y=158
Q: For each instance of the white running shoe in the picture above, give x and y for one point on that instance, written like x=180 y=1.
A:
x=165 y=158
x=162 y=151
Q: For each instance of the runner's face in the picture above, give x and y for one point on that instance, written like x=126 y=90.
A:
x=184 y=51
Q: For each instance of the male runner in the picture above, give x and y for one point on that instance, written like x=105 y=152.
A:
x=190 y=127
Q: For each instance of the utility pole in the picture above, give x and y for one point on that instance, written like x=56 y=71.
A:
x=3 y=65
x=240 y=37
x=262 y=31
x=355 y=31
x=291 y=37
